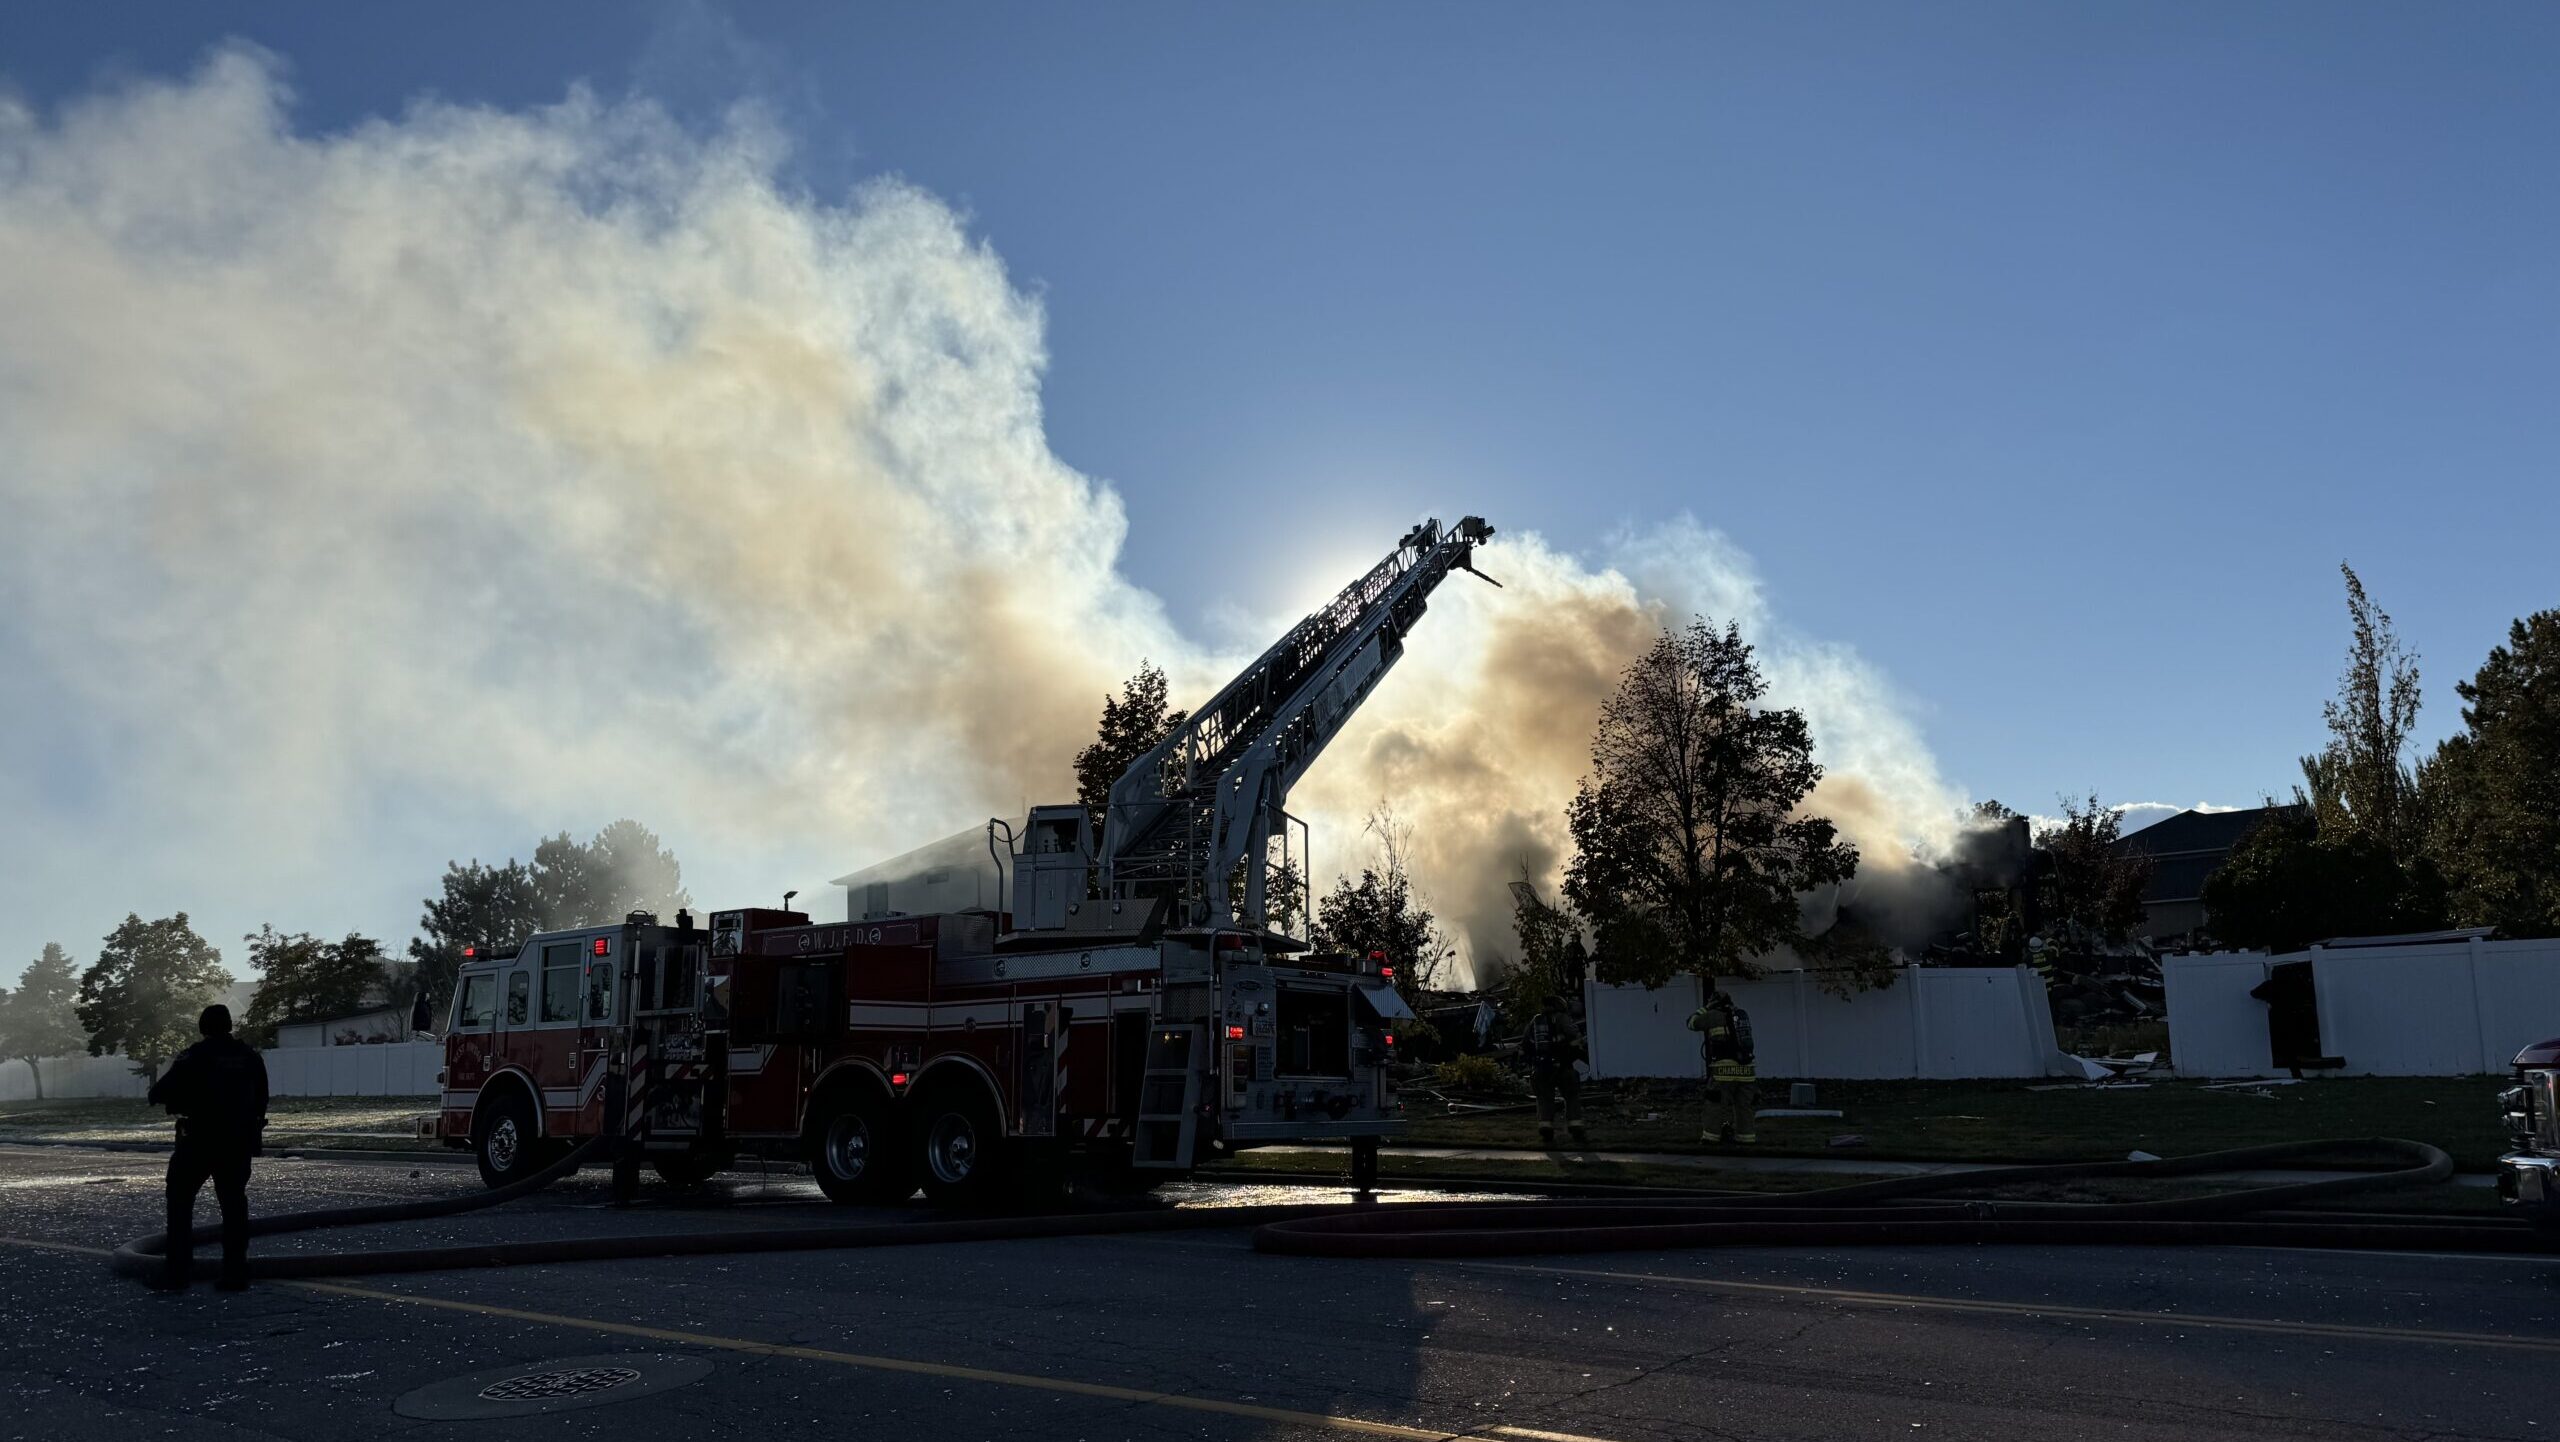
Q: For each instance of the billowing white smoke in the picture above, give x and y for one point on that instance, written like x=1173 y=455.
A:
x=478 y=474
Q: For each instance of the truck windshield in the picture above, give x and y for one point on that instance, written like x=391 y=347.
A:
x=471 y=1011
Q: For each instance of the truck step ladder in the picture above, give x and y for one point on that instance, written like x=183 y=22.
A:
x=1169 y=1098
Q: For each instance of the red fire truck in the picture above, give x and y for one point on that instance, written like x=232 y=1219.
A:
x=1134 y=1009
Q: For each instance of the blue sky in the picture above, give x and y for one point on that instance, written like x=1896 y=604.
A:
x=2051 y=356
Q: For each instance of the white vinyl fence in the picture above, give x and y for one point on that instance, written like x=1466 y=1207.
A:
x=2455 y=1008
x=396 y=1069
x=1933 y=1022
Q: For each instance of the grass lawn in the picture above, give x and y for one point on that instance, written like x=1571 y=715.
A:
x=296 y=1122
x=2005 y=1122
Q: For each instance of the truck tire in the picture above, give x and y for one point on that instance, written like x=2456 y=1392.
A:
x=962 y=1152
x=857 y=1151
x=691 y=1169
x=506 y=1140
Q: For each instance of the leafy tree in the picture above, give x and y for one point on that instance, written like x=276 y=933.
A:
x=2091 y=892
x=39 y=1020
x=306 y=979
x=2361 y=783
x=1689 y=852
x=1284 y=897
x=2495 y=784
x=2285 y=886
x=1551 y=950
x=1382 y=913
x=141 y=996
x=1133 y=723
x=487 y=906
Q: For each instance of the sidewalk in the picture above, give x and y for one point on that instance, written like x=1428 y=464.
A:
x=1801 y=1166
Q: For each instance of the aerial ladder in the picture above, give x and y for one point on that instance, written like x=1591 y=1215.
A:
x=1195 y=816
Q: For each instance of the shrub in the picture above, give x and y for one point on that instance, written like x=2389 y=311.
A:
x=1471 y=1074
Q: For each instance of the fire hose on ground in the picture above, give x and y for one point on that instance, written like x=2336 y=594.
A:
x=1895 y=1211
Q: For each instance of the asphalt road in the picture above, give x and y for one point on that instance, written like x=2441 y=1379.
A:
x=1193 y=1335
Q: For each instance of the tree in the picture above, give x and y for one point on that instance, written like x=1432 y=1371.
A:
x=2091 y=892
x=143 y=993
x=1134 y=723
x=2285 y=886
x=1551 y=949
x=38 y=1020
x=2495 y=786
x=492 y=907
x=303 y=978
x=1284 y=897
x=2361 y=783
x=624 y=869
x=1689 y=852
x=1381 y=913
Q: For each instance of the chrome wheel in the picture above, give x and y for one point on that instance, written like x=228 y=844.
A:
x=952 y=1150
x=848 y=1146
x=504 y=1145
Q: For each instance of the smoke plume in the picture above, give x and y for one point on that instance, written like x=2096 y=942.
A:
x=375 y=498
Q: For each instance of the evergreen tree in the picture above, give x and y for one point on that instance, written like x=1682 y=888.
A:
x=40 y=1018
x=2494 y=830
x=1133 y=723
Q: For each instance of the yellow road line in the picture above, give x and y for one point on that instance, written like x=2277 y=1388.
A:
x=1066 y=1386
x=2041 y=1309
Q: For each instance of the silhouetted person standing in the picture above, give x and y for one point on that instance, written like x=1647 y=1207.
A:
x=218 y=1091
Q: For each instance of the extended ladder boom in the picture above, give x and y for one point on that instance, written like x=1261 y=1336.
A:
x=1206 y=800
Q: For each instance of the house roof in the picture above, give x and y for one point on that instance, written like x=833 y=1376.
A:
x=2195 y=831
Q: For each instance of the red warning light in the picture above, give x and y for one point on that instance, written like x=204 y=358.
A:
x=1391 y=1038
x=600 y=946
x=469 y=952
x=1388 y=972
x=897 y=1078
x=1235 y=1033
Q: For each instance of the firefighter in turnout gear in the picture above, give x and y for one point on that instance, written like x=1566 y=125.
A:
x=1733 y=1087
x=1554 y=1044
x=218 y=1089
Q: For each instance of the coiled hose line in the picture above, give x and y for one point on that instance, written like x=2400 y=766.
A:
x=1862 y=1214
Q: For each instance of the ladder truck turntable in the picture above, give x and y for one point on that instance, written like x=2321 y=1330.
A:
x=1131 y=1009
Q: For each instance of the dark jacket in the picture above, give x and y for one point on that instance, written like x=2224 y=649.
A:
x=1552 y=1041
x=218 y=1090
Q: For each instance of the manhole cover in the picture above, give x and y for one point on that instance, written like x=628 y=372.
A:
x=567 y=1382
x=554 y=1384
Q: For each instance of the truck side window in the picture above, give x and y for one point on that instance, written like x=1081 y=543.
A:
x=520 y=998
x=471 y=1010
x=600 y=989
x=560 y=982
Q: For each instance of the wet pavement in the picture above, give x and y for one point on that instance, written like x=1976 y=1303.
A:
x=1195 y=1335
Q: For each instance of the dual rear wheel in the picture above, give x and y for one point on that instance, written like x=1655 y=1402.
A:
x=866 y=1149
